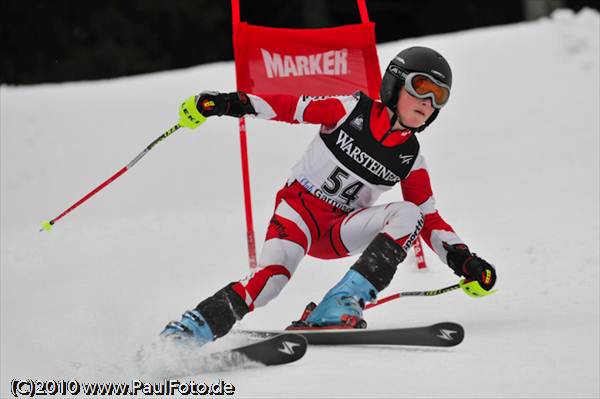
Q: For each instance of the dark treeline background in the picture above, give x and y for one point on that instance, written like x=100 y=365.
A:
x=66 y=40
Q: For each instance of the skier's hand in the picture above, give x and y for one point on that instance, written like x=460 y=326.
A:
x=211 y=103
x=196 y=109
x=469 y=265
x=231 y=104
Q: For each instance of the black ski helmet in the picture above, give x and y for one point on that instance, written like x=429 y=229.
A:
x=413 y=59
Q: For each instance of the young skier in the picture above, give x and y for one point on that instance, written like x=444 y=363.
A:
x=364 y=148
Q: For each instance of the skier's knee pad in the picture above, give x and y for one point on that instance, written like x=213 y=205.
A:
x=411 y=214
x=222 y=310
x=379 y=261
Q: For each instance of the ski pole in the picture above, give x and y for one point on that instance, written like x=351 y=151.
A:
x=47 y=225
x=412 y=293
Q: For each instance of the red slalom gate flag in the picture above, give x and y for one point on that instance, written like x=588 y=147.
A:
x=316 y=62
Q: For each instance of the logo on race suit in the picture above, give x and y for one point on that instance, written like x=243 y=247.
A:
x=333 y=62
x=357 y=122
x=413 y=236
x=316 y=98
x=278 y=227
x=405 y=158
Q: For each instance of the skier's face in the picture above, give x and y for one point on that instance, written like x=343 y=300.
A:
x=412 y=111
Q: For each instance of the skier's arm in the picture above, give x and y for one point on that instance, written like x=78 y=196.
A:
x=326 y=111
x=438 y=234
x=416 y=188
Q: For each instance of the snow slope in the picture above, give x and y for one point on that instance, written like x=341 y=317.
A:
x=514 y=163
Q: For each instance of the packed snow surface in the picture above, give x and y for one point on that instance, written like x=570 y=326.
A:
x=514 y=164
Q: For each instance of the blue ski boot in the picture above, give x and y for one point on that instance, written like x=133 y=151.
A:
x=192 y=328
x=343 y=305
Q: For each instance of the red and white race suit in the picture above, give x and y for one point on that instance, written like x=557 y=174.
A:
x=326 y=208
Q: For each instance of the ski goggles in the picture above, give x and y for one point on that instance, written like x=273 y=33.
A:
x=422 y=85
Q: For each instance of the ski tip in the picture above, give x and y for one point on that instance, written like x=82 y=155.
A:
x=278 y=349
x=450 y=333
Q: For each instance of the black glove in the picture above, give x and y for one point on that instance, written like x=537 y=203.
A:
x=236 y=104
x=469 y=265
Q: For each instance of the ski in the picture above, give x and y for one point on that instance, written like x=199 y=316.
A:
x=440 y=335
x=168 y=361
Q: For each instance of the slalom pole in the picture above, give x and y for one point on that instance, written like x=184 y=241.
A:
x=412 y=293
x=419 y=254
x=47 y=225
x=247 y=196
